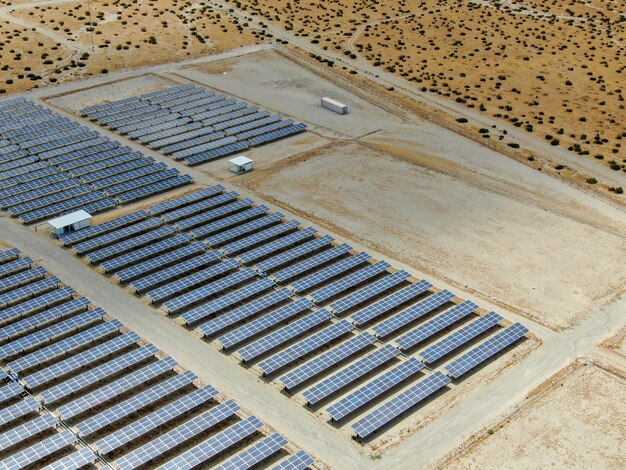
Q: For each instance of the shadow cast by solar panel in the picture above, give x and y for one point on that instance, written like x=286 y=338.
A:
x=490 y=360
x=26 y=443
x=422 y=404
x=412 y=324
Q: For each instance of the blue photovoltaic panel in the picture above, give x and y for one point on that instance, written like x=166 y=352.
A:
x=259 y=237
x=9 y=254
x=298 y=461
x=460 y=337
x=436 y=325
x=86 y=379
x=137 y=402
x=327 y=360
x=370 y=291
x=227 y=301
x=133 y=180
x=217 y=152
x=45 y=335
x=26 y=430
x=375 y=388
x=28 y=291
x=124 y=167
x=255 y=454
x=173 y=204
x=162 y=135
x=303 y=267
x=350 y=281
x=135 y=242
x=116 y=388
x=92 y=202
x=391 y=302
x=214 y=214
x=304 y=347
x=204 y=205
x=244 y=229
x=9 y=391
x=244 y=312
x=216 y=444
x=17 y=410
x=154 y=188
x=158 y=262
x=19 y=279
x=74 y=461
x=27 y=457
x=227 y=222
x=64 y=346
x=272 y=247
x=413 y=313
x=205 y=292
x=95 y=230
x=47 y=201
x=386 y=413
x=177 y=436
x=279 y=134
x=192 y=280
x=326 y=274
x=148 y=251
x=177 y=270
x=165 y=414
x=264 y=323
x=285 y=334
x=486 y=350
x=353 y=372
x=115 y=236
x=289 y=256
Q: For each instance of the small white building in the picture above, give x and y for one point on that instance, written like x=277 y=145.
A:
x=335 y=106
x=70 y=222
x=241 y=164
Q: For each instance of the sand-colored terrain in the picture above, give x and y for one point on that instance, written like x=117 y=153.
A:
x=579 y=423
x=540 y=263
x=102 y=37
x=553 y=69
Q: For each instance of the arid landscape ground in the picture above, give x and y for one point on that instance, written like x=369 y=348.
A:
x=483 y=151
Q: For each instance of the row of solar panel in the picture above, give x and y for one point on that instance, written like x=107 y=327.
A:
x=63 y=351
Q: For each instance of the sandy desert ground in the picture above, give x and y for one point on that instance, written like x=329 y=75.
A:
x=578 y=423
x=554 y=70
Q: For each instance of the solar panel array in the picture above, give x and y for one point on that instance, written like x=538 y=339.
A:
x=77 y=389
x=337 y=326
x=197 y=126
x=52 y=165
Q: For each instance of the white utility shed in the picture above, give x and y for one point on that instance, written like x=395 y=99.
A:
x=70 y=222
x=241 y=164
x=334 y=105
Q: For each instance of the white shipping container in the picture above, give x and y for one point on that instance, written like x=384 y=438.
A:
x=335 y=106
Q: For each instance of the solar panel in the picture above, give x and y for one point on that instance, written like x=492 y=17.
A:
x=213 y=446
x=413 y=313
x=436 y=325
x=39 y=451
x=47 y=201
x=17 y=410
x=227 y=301
x=327 y=360
x=25 y=431
x=177 y=436
x=132 y=180
x=278 y=134
x=92 y=202
x=350 y=281
x=38 y=182
x=7 y=270
x=116 y=388
x=9 y=254
x=39 y=192
x=28 y=291
x=10 y=391
x=123 y=167
x=386 y=413
x=390 y=302
x=19 y=279
x=217 y=152
x=137 y=129
x=330 y=272
x=256 y=453
x=86 y=379
x=64 y=346
x=227 y=222
x=194 y=208
x=154 y=188
x=285 y=334
x=304 y=347
x=202 y=293
x=460 y=337
x=162 y=135
x=370 y=291
x=244 y=312
x=243 y=229
x=47 y=334
x=74 y=461
x=44 y=171
x=279 y=244
x=298 y=461
x=199 y=277
x=143 y=284
x=486 y=350
x=122 y=247
x=289 y=256
x=174 y=204
x=302 y=267
x=166 y=414
x=214 y=214
x=166 y=259
x=373 y=389
x=350 y=374
x=131 y=405
x=148 y=251
x=80 y=360
x=259 y=237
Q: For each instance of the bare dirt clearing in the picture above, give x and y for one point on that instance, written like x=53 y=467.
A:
x=518 y=255
x=578 y=424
